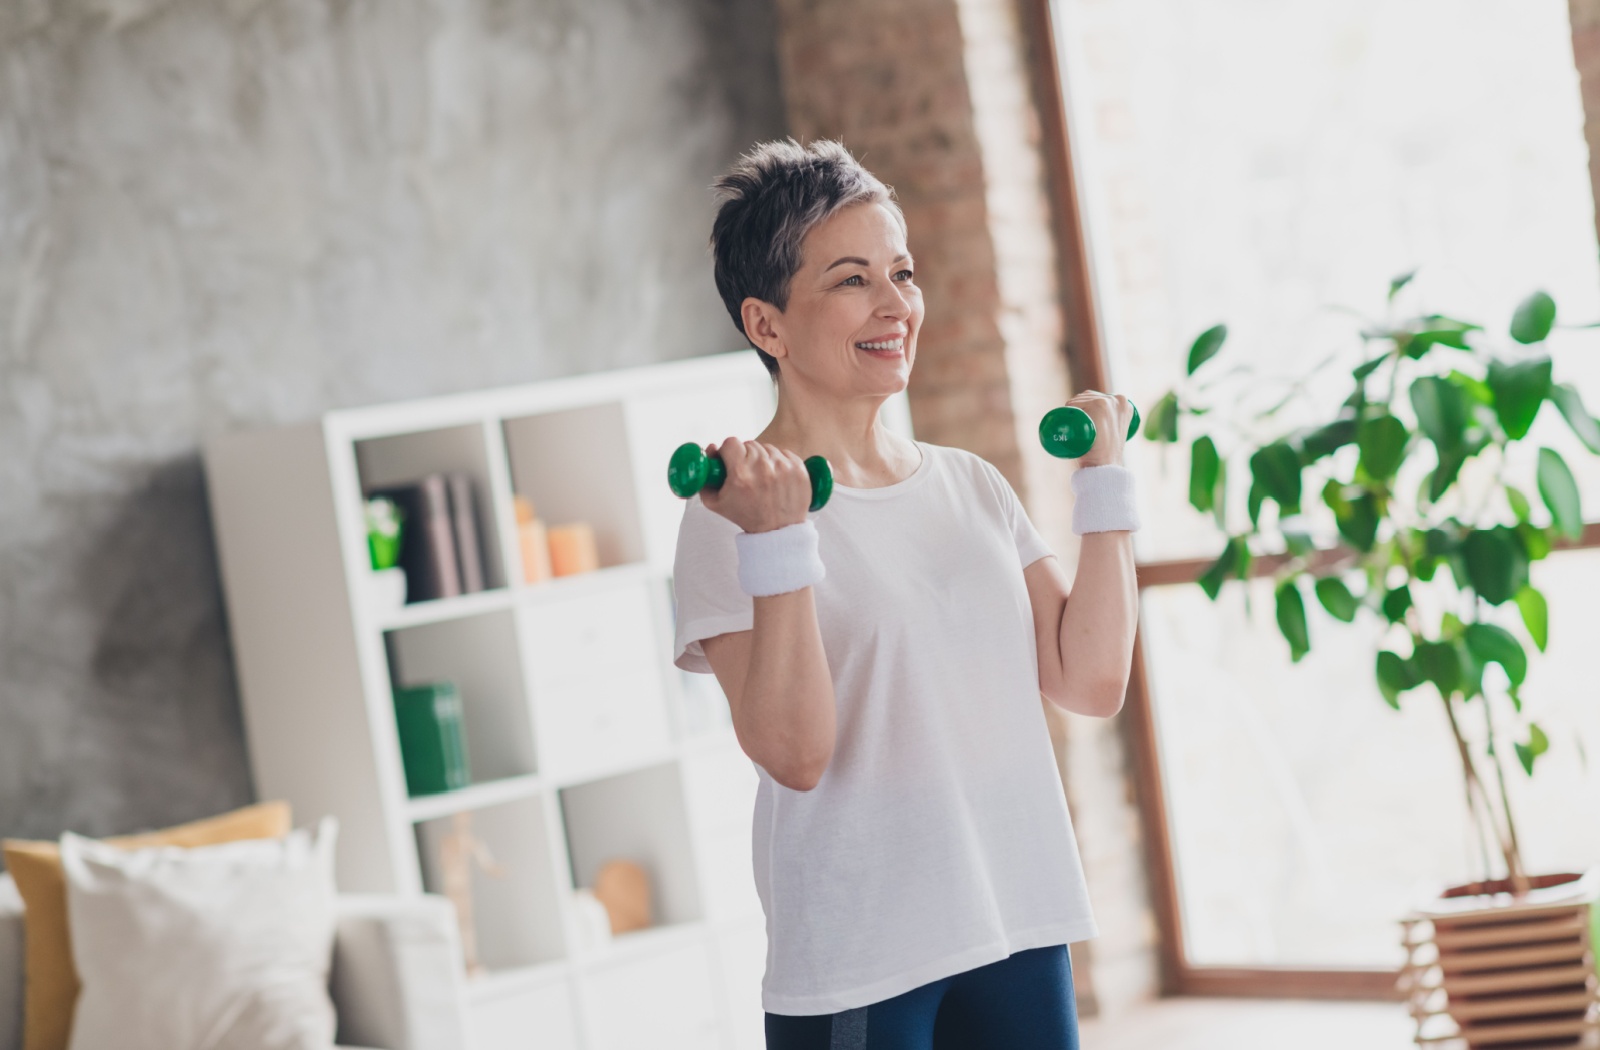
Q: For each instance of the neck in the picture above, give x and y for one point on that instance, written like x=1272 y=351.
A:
x=846 y=431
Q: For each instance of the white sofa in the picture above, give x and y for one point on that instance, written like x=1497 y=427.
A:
x=397 y=979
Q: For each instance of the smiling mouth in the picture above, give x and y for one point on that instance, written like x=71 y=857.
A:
x=885 y=345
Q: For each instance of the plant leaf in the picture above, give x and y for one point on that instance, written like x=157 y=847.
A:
x=1441 y=409
x=1533 y=319
x=1395 y=676
x=1396 y=602
x=1438 y=663
x=1276 y=468
x=1382 y=440
x=1226 y=564
x=1323 y=440
x=1496 y=565
x=1535 y=615
x=1445 y=473
x=1537 y=745
x=1565 y=395
x=1494 y=644
x=1518 y=502
x=1359 y=522
x=1203 y=463
x=1519 y=389
x=1206 y=345
x=1163 y=423
x=1560 y=493
x=1397 y=283
x=1336 y=598
x=1292 y=620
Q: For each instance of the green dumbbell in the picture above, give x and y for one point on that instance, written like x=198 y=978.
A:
x=1068 y=432
x=692 y=470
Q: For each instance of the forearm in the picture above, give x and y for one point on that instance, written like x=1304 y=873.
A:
x=1098 y=624
x=787 y=700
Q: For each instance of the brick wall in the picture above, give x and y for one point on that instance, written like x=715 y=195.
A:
x=935 y=97
x=1585 y=15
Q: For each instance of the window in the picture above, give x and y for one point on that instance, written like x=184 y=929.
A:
x=1265 y=165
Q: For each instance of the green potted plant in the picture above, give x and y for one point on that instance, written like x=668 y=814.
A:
x=1412 y=466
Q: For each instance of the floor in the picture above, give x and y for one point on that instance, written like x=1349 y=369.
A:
x=1251 y=1024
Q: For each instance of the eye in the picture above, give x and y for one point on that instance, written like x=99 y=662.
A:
x=905 y=275
x=856 y=278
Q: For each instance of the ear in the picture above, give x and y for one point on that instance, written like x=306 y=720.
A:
x=761 y=320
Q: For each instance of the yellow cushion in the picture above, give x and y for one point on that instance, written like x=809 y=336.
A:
x=51 y=989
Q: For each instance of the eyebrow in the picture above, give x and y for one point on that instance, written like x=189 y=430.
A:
x=860 y=261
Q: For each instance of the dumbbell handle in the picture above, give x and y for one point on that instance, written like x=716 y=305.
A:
x=691 y=470
x=1068 y=432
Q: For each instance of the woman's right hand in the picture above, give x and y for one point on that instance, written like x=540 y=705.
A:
x=766 y=487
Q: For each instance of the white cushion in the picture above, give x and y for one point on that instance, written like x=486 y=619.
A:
x=223 y=946
x=10 y=964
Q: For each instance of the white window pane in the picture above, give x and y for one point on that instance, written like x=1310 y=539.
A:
x=1306 y=814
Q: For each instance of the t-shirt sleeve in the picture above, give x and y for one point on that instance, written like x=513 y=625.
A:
x=707 y=599
x=1030 y=545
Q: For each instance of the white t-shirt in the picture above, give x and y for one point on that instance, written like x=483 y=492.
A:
x=938 y=839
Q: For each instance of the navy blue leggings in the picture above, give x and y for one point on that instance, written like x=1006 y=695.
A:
x=1024 y=1002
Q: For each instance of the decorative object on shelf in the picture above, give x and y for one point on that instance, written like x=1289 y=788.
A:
x=534 y=540
x=1068 y=432
x=691 y=470
x=387 y=583
x=624 y=888
x=433 y=745
x=1464 y=393
x=1486 y=969
x=459 y=852
x=572 y=549
x=593 y=921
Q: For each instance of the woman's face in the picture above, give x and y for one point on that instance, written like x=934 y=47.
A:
x=854 y=310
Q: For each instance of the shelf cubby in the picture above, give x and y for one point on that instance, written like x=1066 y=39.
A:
x=399 y=459
x=574 y=466
x=480 y=655
x=516 y=896
x=637 y=816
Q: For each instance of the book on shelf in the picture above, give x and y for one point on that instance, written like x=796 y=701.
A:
x=440 y=546
x=433 y=744
x=464 y=515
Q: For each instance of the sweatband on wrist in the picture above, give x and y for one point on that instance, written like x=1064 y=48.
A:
x=1103 y=499
x=778 y=561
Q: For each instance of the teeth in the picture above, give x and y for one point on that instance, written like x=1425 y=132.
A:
x=892 y=344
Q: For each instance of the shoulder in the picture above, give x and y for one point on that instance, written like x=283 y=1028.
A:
x=970 y=468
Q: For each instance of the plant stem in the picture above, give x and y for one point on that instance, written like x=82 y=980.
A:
x=1475 y=782
x=1519 y=877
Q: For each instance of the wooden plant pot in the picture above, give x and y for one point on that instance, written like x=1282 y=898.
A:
x=1485 y=968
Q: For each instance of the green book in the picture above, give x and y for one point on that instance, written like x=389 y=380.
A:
x=432 y=742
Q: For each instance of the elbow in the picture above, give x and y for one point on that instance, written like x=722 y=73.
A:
x=1104 y=701
x=801 y=772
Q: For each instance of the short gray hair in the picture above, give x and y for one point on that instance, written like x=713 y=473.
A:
x=770 y=199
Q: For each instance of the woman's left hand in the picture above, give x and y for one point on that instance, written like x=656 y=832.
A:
x=1111 y=414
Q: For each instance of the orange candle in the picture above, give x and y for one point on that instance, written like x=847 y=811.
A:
x=572 y=549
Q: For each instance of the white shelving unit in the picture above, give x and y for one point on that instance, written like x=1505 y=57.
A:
x=585 y=742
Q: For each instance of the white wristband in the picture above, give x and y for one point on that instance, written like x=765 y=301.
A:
x=1104 y=500
x=778 y=561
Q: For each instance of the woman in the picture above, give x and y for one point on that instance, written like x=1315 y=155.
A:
x=884 y=660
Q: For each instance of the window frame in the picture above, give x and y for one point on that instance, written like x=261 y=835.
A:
x=1088 y=368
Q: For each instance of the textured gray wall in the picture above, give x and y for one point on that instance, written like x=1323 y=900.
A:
x=218 y=214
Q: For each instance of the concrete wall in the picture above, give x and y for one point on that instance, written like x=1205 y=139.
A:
x=218 y=214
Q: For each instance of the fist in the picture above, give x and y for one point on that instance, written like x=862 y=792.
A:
x=766 y=488
x=1111 y=414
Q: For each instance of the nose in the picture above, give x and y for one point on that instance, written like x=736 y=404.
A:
x=893 y=304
